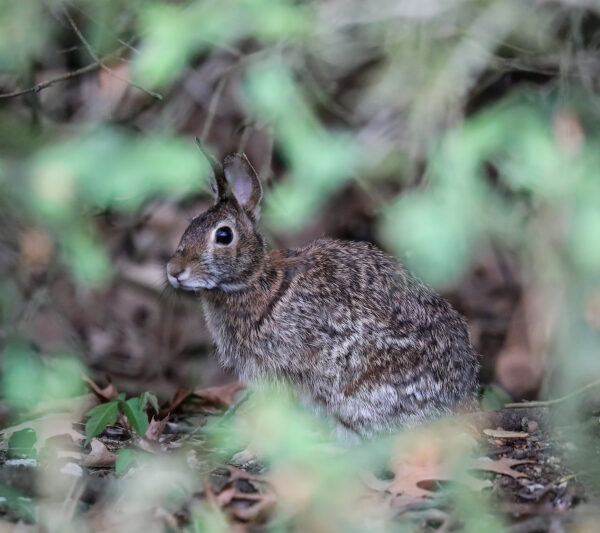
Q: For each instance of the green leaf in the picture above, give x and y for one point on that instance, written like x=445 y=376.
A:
x=149 y=398
x=493 y=397
x=22 y=375
x=136 y=415
x=86 y=256
x=100 y=417
x=21 y=443
x=124 y=460
x=19 y=503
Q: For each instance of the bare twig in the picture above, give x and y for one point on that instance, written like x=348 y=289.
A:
x=265 y=170
x=103 y=65
x=244 y=137
x=548 y=403
x=212 y=109
x=44 y=84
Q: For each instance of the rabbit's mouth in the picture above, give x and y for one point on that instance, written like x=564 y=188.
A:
x=196 y=284
x=190 y=284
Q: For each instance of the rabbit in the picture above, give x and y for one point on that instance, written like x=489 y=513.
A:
x=345 y=323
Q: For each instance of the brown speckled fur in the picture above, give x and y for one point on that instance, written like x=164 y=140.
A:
x=344 y=322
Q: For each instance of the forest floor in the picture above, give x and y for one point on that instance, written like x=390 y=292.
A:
x=528 y=468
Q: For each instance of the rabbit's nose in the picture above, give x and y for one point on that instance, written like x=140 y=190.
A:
x=176 y=274
x=173 y=269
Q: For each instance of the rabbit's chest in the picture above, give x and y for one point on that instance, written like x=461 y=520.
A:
x=239 y=345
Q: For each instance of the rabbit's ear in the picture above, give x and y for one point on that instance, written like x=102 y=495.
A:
x=218 y=184
x=244 y=183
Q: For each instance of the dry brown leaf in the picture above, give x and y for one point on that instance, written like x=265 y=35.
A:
x=224 y=497
x=156 y=428
x=501 y=466
x=503 y=434
x=245 y=506
x=36 y=248
x=108 y=393
x=424 y=458
x=416 y=478
x=222 y=396
x=46 y=427
x=258 y=512
x=100 y=456
x=179 y=397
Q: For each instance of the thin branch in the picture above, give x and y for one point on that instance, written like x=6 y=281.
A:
x=101 y=63
x=95 y=21
x=212 y=109
x=44 y=84
x=244 y=137
x=548 y=403
x=129 y=46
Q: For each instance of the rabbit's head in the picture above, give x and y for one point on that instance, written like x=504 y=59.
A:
x=221 y=248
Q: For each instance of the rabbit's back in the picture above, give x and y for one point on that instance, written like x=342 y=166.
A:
x=393 y=350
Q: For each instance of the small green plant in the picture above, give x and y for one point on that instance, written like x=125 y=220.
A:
x=133 y=409
x=128 y=457
x=125 y=457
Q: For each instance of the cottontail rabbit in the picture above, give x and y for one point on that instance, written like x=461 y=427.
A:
x=344 y=322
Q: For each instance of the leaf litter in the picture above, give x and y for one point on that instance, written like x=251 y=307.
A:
x=516 y=467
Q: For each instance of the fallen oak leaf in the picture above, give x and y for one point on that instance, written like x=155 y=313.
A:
x=100 y=456
x=433 y=455
x=500 y=466
x=415 y=482
x=220 y=396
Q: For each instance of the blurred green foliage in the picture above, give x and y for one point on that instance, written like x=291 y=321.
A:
x=444 y=224
x=28 y=381
x=104 y=169
x=518 y=168
x=176 y=32
x=320 y=161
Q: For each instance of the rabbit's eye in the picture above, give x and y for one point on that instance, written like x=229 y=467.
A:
x=224 y=235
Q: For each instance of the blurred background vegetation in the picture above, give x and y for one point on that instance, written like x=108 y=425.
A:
x=460 y=135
